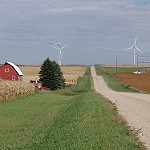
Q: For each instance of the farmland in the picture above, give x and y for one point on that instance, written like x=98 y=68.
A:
x=30 y=73
x=139 y=81
x=12 y=89
x=58 y=121
x=125 y=75
x=123 y=66
x=111 y=80
x=70 y=73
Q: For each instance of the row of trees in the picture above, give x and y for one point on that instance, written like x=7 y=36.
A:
x=51 y=75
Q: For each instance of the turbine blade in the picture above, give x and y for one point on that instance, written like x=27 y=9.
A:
x=51 y=43
x=54 y=47
x=55 y=43
x=135 y=40
x=129 y=48
x=65 y=46
x=138 y=49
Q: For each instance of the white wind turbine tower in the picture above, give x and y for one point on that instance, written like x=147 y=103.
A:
x=135 y=48
x=59 y=48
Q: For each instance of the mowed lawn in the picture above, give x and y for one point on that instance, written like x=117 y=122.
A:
x=25 y=118
x=44 y=121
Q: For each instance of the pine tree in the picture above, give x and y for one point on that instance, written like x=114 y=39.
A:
x=60 y=81
x=51 y=75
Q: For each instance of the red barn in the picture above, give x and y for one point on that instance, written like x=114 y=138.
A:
x=10 y=71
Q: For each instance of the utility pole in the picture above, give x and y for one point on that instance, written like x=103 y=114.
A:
x=137 y=63
x=116 y=65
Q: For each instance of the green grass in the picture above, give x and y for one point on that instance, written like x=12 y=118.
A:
x=88 y=71
x=50 y=121
x=106 y=70
x=22 y=118
x=111 y=80
x=84 y=83
x=56 y=121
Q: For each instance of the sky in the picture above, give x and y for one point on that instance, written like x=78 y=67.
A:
x=97 y=31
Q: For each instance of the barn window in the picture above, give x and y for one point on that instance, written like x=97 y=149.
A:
x=0 y=78
x=6 y=70
x=13 y=77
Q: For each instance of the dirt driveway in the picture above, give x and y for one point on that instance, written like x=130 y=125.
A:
x=135 y=108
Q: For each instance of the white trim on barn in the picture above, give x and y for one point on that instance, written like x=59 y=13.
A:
x=16 y=68
x=13 y=77
x=7 y=70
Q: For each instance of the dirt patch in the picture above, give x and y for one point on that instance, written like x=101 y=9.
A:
x=140 y=81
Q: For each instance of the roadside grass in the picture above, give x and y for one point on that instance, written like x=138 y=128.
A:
x=85 y=123
x=84 y=83
x=53 y=121
x=111 y=80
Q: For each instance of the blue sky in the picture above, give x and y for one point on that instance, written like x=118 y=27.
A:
x=143 y=3
x=97 y=31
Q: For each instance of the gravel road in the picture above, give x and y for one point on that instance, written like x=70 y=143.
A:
x=134 y=107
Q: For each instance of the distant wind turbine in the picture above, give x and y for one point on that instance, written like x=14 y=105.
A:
x=135 y=48
x=59 y=47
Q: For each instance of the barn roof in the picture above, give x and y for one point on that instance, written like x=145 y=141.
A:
x=16 y=68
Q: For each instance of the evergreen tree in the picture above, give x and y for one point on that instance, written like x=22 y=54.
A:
x=60 y=81
x=51 y=75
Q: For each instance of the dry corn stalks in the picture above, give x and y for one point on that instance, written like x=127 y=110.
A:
x=70 y=80
x=14 y=89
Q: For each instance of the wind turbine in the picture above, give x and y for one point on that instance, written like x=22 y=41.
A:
x=135 y=48
x=59 y=48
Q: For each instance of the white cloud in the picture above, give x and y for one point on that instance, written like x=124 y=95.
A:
x=104 y=27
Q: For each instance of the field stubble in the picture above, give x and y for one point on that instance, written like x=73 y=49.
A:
x=70 y=73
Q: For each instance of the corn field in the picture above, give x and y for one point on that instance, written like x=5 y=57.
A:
x=12 y=89
x=70 y=80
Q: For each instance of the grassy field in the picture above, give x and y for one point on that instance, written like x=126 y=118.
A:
x=105 y=70
x=111 y=80
x=85 y=120
x=124 y=66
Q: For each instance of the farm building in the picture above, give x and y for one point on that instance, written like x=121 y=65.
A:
x=10 y=71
